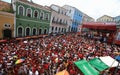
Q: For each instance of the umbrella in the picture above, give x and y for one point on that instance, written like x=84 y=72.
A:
x=3 y=41
x=117 y=58
x=19 y=61
x=64 y=72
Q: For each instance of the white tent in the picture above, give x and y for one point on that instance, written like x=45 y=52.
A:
x=109 y=61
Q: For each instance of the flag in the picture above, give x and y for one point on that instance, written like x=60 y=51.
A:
x=111 y=62
x=64 y=72
x=98 y=64
x=86 y=68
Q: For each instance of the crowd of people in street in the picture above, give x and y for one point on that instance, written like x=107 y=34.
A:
x=49 y=55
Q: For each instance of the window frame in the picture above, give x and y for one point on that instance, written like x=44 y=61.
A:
x=23 y=10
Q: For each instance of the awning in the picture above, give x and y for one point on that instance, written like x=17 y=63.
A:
x=86 y=68
x=100 y=26
x=98 y=64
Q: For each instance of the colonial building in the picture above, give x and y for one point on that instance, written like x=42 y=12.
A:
x=87 y=18
x=105 y=18
x=31 y=19
x=60 y=21
x=6 y=25
x=76 y=17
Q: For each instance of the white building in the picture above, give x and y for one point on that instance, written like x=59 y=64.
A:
x=60 y=22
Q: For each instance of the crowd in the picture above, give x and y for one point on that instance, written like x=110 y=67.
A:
x=49 y=55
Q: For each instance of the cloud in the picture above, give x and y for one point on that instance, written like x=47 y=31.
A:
x=94 y=8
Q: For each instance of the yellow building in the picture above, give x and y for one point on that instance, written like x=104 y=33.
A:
x=105 y=18
x=6 y=25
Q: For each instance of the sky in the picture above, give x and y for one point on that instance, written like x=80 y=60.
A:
x=93 y=8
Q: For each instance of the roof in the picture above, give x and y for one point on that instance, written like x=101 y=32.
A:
x=6 y=13
x=100 y=26
x=34 y=4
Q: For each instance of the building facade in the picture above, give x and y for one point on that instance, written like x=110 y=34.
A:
x=60 y=22
x=76 y=17
x=6 y=25
x=117 y=21
x=30 y=19
x=87 y=18
x=105 y=18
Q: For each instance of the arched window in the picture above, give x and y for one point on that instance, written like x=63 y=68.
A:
x=21 y=10
x=60 y=21
x=59 y=29
x=27 y=31
x=52 y=29
x=53 y=19
x=42 y=15
x=40 y=31
x=20 y=32
x=47 y=16
x=56 y=29
x=34 y=31
x=36 y=14
x=62 y=29
x=45 y=31
x=29 y=12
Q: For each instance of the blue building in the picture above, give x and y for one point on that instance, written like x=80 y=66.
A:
x=117 y=21
x=76 y=17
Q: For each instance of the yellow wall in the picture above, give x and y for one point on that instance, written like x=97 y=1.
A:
x=105 y=19
x=6 y=18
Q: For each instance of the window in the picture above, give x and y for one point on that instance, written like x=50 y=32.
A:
x=65 y=13
x=69 y=11
x=56 y=29
x=21 y=10
x=34 y=31
x=62 y=12
x=62 y=29
x=66 y=22
x=53 y=19
x=7 y=25
x=60 y=21
x=41 y=15
x=20 y=32
x=52 y=28
x=59 y=29
x=27 y=31
x=36 y=14
x=45 y=31
x=57 y=20
x=29 y=12
x=40 y=31
x=47 y=16
x=59 y=11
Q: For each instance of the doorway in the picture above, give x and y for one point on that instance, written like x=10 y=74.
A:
x=7 y=33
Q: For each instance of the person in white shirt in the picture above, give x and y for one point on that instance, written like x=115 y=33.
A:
x=36 y=72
